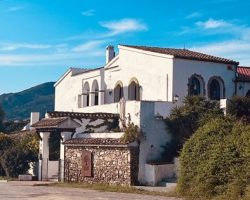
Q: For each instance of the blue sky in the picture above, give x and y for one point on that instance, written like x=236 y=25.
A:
x=41 y=39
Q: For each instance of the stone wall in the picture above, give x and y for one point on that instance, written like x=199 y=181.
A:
x=115 y=165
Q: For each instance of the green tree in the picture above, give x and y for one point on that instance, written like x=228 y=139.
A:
x=215 y=161
x=183 y=121
x=240 y=108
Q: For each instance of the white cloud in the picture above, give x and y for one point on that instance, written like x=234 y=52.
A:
x=123 y=26
x=212 y=24
x=15 y=8
x=193 y=15
x=66 y=58
x=88 y=46
x=88 y=13
x=239 y=50
x=12 y=47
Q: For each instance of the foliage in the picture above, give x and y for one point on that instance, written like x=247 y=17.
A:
x=54 y=146
x=17 y=153
x=132 y=133
x=215 y=161
x=240 y=107
x=16 y=161
x=12 y=126
x=18 y=106
x=185 y=120
x=5 y=143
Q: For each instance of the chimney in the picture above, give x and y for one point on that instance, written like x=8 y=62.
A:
x=34 y=117
x=110 y=53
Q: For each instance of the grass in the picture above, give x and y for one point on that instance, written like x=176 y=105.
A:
x=113 y=188
x=3 y=178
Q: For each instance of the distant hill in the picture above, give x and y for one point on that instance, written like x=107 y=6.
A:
x=18 y=106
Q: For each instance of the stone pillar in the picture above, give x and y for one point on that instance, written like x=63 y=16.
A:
x=43 y=156
x=65 y=136
x=101 y=97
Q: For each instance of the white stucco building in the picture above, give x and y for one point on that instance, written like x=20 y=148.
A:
x=150 y=81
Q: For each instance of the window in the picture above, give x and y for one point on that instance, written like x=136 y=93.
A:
x=215 y=90
x=118 y=92
x=134 y=90
x=248 y=94
x=95 y=93
x=86 y=94
x=194 y=86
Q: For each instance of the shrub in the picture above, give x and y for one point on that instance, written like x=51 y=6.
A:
x=16 y=161
x=17 y=154
x=132 y=133
x=240 y=107
x=215 y=161
x=183 y=121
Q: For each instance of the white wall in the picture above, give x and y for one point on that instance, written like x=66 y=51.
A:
x=243 y=88
x=68 y=89
x=184 y=69
x=152 y=71
x=156 y=136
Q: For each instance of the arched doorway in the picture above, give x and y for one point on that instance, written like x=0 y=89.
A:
x=86 y=94
x=95 y=93
x=216 y=88
x=196 y=85
x=134 y=90
x=118 y=92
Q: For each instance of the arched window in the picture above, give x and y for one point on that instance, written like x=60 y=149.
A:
x=118 y=92
x=86 y=94
x=248 y=94
x=95 y=93
x=134 y=90
x=216 y=88
x=196 y=85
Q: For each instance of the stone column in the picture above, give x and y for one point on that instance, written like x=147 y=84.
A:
x=65 y=136
x=43 y=156
x=101 y=97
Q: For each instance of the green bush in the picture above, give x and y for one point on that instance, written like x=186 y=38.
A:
x=131 y=133
x=15 y=155
x=183 y=121
x=16 y=161
x=240 y=107
x=215 y=161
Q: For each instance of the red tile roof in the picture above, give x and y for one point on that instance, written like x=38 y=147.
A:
x=243 y=74
x=185 y=54
x=49 y=122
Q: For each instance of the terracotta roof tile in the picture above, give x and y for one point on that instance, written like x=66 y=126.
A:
x=243 y=74
x=49 y=122
x=185 y=54
x=94 y=141
x=82 y=115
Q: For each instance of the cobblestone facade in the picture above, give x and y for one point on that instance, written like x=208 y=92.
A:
x=113 y=165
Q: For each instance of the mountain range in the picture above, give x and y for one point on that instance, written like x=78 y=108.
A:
x=18 y=106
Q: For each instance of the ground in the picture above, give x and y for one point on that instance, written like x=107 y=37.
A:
x=27 y=191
